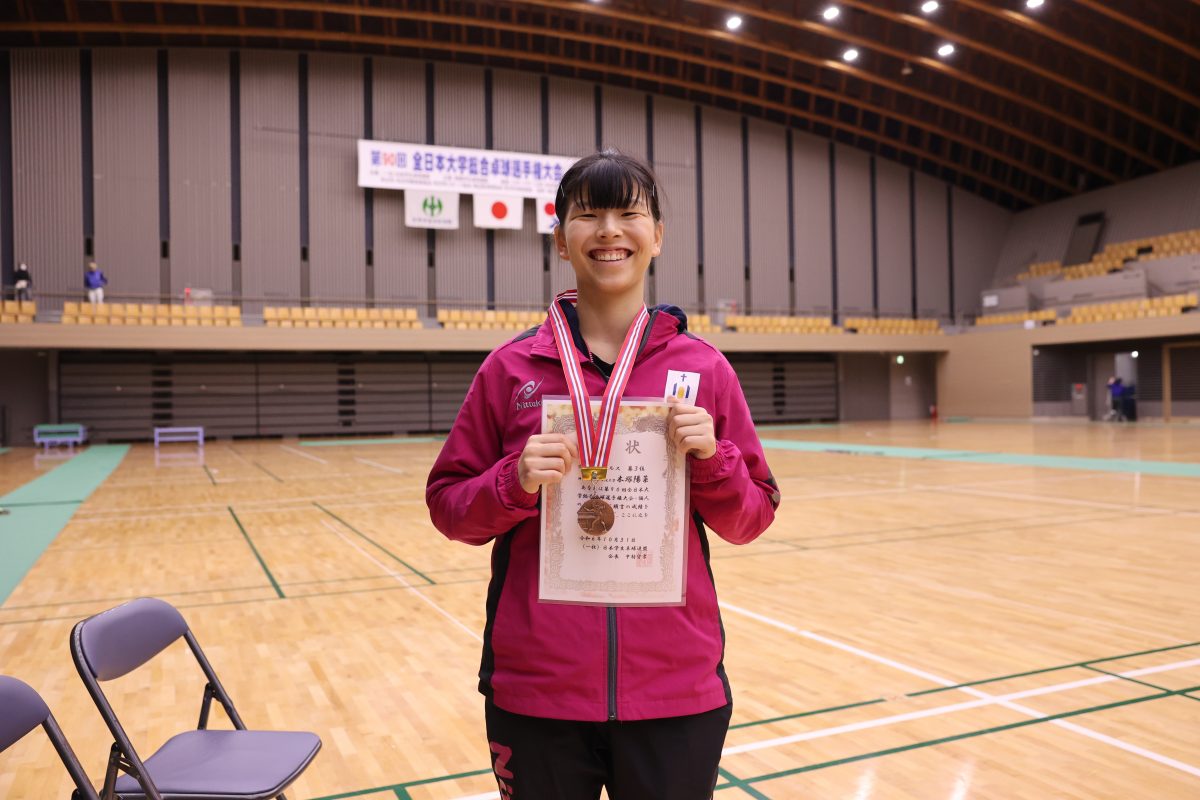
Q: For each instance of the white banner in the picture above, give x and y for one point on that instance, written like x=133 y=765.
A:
x=431 y=210
x=400 y=165
x=499 y=211
x=547 y=221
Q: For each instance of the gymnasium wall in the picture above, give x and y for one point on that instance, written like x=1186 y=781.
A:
x=235 y=171
x=1157 y=204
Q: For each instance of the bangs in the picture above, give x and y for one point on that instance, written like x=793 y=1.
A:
x=606 y=180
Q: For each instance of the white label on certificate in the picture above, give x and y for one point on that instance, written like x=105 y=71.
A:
x=622 y=540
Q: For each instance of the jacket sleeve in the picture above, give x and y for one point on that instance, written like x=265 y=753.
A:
x=733 y=490
x=473 y=492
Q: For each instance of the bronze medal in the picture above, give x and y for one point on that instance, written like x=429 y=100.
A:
x=596 y=517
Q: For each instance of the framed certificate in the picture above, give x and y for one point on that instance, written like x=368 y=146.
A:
x=621 y=541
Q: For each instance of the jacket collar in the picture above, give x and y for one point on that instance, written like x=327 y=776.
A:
x=666 y=322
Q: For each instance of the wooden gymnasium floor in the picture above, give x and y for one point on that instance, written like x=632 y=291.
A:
x=959 y=611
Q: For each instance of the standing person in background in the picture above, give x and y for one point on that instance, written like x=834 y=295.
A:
x=1116 y=388
x=94 y=281
x=22 y=283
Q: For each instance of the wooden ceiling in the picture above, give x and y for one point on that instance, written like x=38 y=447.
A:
x=1033 y=105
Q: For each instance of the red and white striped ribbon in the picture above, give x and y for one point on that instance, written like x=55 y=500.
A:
x=595 y=436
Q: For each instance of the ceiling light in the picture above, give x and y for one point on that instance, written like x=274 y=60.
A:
x=899 y=359
x=850 y=55
x=946 y=50
x=1134 y=354
x=734 y=22
x=929 y=6
x=831 y=13
x=1032 y=4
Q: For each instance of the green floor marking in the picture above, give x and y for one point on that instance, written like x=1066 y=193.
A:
x=1122 y=657
x=39 y=510
x=735 y=781
x=360 y=442
x=210 y=475
x=3 y=450
x=1174 y=469
x=1127 y=678
x=272 y=474
x=957 y=737
x=257 y=554
x=400 y=789
x=800 y=714
x=393 y=556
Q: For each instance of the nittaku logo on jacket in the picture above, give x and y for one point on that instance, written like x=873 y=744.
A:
x=525 y=396
x=432 y=205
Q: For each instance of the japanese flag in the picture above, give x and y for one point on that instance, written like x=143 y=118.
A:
x=499 y=211
x=547 y=220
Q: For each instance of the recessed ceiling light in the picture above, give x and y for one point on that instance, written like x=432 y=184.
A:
x=1032 y=4
x=831 y=13
x=850 y=55
x=734 y=22
x=929 y=6
x=946 y=50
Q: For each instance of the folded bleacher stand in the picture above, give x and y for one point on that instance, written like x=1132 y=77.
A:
x=24 y=710
x=194 y=765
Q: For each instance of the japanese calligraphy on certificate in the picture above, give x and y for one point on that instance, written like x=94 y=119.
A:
x=621 y=540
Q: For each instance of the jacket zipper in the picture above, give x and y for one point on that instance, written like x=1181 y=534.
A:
x=612 y=611
x=612 y=664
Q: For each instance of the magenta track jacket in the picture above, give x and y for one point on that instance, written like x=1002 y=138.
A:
x=593 y=663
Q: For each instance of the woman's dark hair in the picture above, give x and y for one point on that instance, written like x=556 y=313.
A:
x=608 y=179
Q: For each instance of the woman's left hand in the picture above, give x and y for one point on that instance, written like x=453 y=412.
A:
x=691 y=429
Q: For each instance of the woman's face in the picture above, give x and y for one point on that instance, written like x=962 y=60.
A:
x=609 y=248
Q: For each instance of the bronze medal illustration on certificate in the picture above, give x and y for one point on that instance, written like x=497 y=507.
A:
x=620 y=540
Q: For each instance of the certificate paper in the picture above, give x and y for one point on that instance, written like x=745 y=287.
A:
x=619 y=541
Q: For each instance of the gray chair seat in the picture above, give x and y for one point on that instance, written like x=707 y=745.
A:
x=221 y=764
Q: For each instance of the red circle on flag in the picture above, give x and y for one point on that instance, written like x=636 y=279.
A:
x=549 y=209
x=499 y=210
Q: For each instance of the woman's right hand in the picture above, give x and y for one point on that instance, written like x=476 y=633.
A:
x=545 y=460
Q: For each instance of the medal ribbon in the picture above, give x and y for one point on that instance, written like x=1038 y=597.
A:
x=595 y=436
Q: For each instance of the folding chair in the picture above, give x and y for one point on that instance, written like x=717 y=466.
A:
x=194 y=765
x=24 y=710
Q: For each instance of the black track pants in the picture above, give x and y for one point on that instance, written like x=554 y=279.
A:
x=655 y=759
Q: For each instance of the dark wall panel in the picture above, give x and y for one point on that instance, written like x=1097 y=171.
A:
x=933 y=249
x=854 y=231
x=47 y=170
x=201 y=225
x=459 y=122
x=894 y=229
x=125 y=124
x=270 y=176
x=337 y=250
x=814 y=259
x=516 y=126
x=724 y=226
x=675 y=164
x=572 y=113
x=398 y=100
x=769 y=229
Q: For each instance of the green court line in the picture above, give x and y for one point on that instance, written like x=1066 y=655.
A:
x=210 y=475
x=785 y=717
x=960 y=736
x=4 y=450
x=394 y=557
x=1059 y=668
x=739 y=783
x=39 y=510
x=257 y=554
x=1127 y=678
x=272 y=474
x=1175 y=469
x=361 y=442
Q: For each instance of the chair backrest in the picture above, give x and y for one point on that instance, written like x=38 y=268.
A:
x=118 y=641
x=23 y=711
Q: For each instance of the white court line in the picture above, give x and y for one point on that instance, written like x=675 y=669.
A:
x=303 y=454
x=371 y=463
x=402 y=580
x=984 y=699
